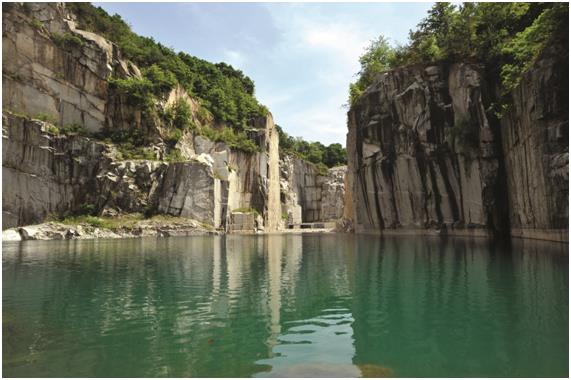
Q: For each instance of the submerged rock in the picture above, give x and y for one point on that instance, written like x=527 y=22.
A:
x=373 y=370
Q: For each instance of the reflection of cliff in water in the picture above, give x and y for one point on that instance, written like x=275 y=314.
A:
x=314 y=337
x=426 y=301
x=284 y=305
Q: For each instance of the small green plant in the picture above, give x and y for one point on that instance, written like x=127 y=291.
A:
x=73 y=129
x=129 y=152
x=322 y=169
x=93 y=221
x=177 y=118
x=112 y=223
x=67 y=40
x=175 y=155
x=36 y=23
x=137 y=91
x=45 y=117
x=203 y=115
x=52 y=129
x=183 y=116
x=206 y=226
x=172 y=136
x=236 y=140
x=87 y=209
x=247 y=210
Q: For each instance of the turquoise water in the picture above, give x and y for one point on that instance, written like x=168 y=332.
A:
x=285 y=305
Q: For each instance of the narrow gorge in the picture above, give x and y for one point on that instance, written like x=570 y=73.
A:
x=165 y=215
x=427 y=153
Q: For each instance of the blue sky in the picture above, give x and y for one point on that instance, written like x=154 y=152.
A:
x=301 y=56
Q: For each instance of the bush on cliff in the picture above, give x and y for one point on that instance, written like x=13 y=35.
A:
x=506 y=37
x=226 y=92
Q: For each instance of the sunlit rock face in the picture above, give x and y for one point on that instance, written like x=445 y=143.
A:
x=308 y=195
x=47 y=173
x=42 y=76
x=426 y=152
x=411 y=167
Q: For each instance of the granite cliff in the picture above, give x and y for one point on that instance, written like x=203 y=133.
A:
x=426 y=153
x=49 y=170
x=63 y=112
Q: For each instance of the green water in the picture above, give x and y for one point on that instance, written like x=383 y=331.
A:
x=285 y=305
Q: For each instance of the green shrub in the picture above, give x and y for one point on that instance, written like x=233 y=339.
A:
x=162 y=80
x=87 y=209
x=235 y=140
x=112 y=223
x=175 y=155
x=46 y=117
x=179 y=116
x=226 y=92
x=130 y=152
x=247 y=210
x=93 y=221
x=322 y=169
x=314 y=152
x=73 y=129
x=524 y=48
x=506 y=37
x=67 y=40
x=138 y=91
x=36 y=23
x=172 y=136
x=53 y=129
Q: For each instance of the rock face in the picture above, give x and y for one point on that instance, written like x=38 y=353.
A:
x=47 y=174
x=410 y=169
x=62 y=79
x=189 y=190
x=309 y=196
x=535 y=136
x=52 y=68
x=43 y=174
x=424 y=153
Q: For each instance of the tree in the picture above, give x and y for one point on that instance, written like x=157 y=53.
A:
x=506 y=37
x=379 y=56
x=334 y=155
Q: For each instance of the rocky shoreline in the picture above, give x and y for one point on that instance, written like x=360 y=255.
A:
x=143 y=228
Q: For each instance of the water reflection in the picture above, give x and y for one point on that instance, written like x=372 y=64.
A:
x=285 y=305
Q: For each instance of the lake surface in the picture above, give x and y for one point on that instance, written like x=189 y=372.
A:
x=285 y=305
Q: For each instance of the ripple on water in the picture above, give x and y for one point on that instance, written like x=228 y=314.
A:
x=283 y=306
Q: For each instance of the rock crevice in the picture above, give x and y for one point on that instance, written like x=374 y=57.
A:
x=425 y=153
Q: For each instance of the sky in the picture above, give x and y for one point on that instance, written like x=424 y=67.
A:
x=301 y=56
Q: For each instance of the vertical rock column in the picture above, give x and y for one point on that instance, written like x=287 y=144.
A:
x=272 y=213
x=535 y=135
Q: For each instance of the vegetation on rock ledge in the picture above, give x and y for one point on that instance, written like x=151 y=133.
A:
x=314 y=152
x=226 y=92
x=506 y=37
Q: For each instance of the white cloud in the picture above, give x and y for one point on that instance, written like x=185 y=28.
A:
x=235 y=58
x=318 y=57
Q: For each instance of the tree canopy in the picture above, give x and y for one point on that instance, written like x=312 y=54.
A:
x=315 y=152
x=506 y=37
x=225 y=91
